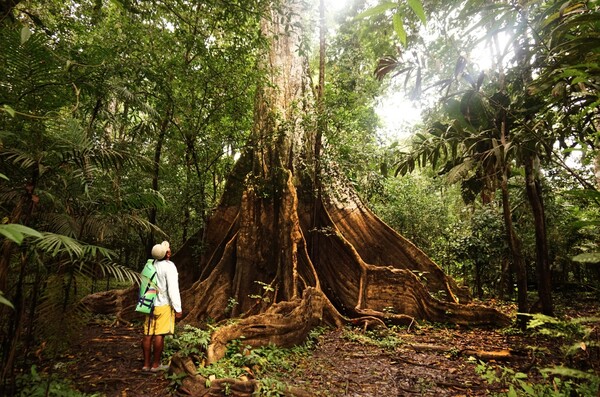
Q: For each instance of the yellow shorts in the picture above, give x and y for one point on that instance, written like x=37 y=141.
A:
x=161 y=321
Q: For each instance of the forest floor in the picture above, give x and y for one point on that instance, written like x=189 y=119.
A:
x=431 y=360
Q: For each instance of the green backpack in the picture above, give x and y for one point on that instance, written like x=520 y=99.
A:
x=148 y=289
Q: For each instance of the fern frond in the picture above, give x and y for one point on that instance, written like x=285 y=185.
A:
x=145 y=199
x=21 y=159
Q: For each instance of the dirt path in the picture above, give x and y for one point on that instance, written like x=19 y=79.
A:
x=109 y=361
x=429 y=361
x=340 y=367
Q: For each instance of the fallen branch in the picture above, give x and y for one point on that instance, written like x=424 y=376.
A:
x=504 y=354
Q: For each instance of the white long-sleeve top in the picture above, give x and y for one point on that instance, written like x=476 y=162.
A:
x=167 y=282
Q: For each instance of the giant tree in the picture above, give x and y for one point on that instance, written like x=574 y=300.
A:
x=285 y=259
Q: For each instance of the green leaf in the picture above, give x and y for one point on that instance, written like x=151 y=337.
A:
x=380 y=9
x=25 y=34
x=17 y=232
x=585 y=193
x=4 y=301
x=520 y=375
x=570 y=372
x=55 y=244
x=588 y=257
x=582 y=224
x=417 y=8
x=527 y=388
x=9 y=110
x=399 y=28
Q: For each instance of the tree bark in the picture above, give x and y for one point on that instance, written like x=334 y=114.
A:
x=544 y=274
x=156 y=174
x=515 y=247
x=514 y=242
x=597 y=169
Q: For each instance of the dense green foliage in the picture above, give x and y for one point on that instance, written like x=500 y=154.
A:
x=268 y=364
x=119 y=122
x=574 y=335
x=506 y=131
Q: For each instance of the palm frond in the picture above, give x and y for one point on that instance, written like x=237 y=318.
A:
x=145 y=199
x=37 y=78
x=119 y=272
x=57 y=244
x=61 y=223
x=17 y=232
x=73 y=145
x=20 y=158
x=140 y=223
x=126 y=95
x=106 y=268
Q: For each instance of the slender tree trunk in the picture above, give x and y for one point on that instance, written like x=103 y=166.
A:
x=597 y=169
x=478 y=286
x=529 y=158
x=505 y=289
x=514 y=242
x=156 y=173
x=515 y=247
x=15 y=329
x=12 y=330
x=534 y=194
x=21 y=214
x=188 y=191
x=29 y=337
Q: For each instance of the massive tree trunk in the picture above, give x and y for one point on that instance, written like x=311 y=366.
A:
x=284 y=258
x=274 y=242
